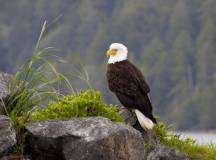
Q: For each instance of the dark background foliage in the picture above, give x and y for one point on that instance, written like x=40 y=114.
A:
x=172 y=42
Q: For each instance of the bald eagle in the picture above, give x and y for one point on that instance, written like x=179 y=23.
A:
x=128 y=84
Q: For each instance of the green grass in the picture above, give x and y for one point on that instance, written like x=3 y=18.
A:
x=33 y=85
x=83 y=104
x=188 y=146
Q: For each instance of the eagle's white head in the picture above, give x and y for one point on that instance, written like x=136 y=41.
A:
x=117 y=52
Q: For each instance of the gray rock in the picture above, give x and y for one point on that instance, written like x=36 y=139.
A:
x=161 y=152
x=94 y=138
x=16 y=157
x=4 y=82
x=7 y=135
x=157 y=151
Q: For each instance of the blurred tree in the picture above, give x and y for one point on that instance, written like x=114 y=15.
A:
x=180 y=19
x=173 y=42
x=206 y=50
x=154 y=63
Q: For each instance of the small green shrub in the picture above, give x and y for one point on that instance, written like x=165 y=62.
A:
x=84 y=104
x=188 y=146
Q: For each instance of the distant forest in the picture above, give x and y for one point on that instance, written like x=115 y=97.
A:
x=172 y=42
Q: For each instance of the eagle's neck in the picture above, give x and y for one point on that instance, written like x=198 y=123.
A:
x=117 y=58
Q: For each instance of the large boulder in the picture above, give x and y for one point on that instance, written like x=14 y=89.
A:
x=7 y=135
x=94 y=138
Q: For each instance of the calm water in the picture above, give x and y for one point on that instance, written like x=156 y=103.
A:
x=201 y=137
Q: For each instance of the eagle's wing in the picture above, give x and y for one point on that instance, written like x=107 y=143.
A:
x=139 y=78
x=127 y=79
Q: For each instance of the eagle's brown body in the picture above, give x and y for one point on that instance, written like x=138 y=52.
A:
x=129 y=85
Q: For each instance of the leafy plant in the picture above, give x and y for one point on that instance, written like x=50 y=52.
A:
x=188 y=146
x=84 y=104
x=32 y=86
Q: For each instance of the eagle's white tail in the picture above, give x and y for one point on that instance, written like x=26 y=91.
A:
x=144 y=121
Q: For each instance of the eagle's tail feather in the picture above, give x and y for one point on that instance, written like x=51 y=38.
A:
x=144 y=121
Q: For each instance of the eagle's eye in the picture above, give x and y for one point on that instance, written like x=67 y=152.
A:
x=115 y=50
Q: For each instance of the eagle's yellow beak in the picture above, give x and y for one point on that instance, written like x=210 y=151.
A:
x=111 y=52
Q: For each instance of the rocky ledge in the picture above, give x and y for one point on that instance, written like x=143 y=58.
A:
x=93 y=138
